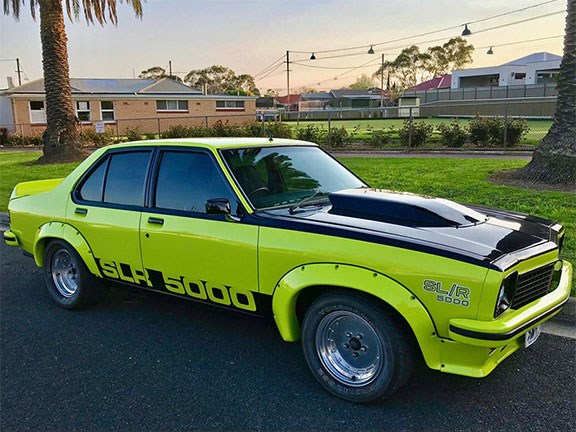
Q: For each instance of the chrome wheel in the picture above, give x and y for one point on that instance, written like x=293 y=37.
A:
x=349 y=348
x=65 y=273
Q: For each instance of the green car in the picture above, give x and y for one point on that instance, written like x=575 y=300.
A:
x=370 y=281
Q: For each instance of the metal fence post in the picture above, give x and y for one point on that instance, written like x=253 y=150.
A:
x=410 y=127
x=505 y=138
x=329 y=130
x=206 y=122
x=117 y=130
x=263 y=125
x=159 y=129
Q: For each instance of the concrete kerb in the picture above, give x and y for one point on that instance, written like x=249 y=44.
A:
x=568 y=314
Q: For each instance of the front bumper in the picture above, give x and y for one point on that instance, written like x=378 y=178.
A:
x=513 y=325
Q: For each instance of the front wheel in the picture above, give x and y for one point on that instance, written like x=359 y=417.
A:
x=355 y=348
x=68 y=280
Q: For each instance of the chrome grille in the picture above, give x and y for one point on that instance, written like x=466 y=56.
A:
x=533 y=285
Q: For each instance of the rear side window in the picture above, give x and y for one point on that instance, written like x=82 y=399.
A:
x=126 y=178
x=187 y=180
x=92 y=188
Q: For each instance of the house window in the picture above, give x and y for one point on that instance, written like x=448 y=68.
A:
x=236 y=105
x=37 y=112
x=107 y=110
x=519 y=75
x=172 y=105
x=83 y=111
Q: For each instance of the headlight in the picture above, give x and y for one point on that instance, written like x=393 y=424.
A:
x=506 y=294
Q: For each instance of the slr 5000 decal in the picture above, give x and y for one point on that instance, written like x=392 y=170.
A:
x=186 y=286
x=457 y=295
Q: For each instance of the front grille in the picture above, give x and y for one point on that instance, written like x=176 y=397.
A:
x=533 y=285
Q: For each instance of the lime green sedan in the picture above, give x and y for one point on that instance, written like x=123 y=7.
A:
x=368 y=280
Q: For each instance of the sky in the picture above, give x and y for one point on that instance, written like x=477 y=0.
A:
x=250 y=35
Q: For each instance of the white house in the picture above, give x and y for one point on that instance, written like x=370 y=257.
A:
x=537 y=68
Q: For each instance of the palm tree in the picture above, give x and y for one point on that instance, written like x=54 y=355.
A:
x=554 y=161
x=61 y=139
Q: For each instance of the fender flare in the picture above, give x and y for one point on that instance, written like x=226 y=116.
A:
x=345 y=276
x=66 y=232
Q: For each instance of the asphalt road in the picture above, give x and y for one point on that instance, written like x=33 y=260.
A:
x=142 y=362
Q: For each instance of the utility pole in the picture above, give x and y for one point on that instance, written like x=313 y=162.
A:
x=288 y=79
x=18 y=71
x=382 y=84
x=170 y=66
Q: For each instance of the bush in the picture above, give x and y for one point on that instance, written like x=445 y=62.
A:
x=339 y=137
x=279 y=129
x=311 y=133
x=517 y=129
x=421 y=132
x=15 y=140
x=90 y=138
x=453 y=135
x=133 y=133
x=381 y=138
x=179 y=131
x=490 y=131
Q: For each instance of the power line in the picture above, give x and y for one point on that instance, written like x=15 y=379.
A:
x=433 y=31
x=269 y=73
x=265 y=70
x=521 y=42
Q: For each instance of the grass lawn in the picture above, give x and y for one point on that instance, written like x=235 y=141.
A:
x=462 y=180
x=361 y=129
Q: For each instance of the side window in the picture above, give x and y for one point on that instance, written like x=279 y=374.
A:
x=92 y=188
x=126 y=178
x=187 y=180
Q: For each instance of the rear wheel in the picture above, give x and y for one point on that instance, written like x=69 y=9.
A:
x=68 y=280
x=355 y=348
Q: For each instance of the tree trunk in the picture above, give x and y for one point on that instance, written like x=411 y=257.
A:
x=554 y=161
x=61 y=137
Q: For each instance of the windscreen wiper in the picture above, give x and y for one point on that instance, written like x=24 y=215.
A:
x=309 y=200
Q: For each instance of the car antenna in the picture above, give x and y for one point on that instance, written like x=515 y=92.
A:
x=270 y=135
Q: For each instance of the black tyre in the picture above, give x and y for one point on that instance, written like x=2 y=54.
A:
x=356 y=348
x=69 y=281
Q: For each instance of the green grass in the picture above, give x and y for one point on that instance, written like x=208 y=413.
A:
x=361 y=129
x=462 y=180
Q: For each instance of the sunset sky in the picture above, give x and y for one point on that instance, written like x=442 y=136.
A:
x=250 y=35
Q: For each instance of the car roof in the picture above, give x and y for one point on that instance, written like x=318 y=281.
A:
x=216 y=143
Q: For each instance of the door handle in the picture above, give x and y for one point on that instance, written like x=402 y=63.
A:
x=81 y=211
x=156 y=221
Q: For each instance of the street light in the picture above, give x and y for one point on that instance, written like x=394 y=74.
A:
x=371 y=50
x=312 y=57
x=490 y=51
x=466 y=31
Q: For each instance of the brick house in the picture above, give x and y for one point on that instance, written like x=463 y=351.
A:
x=150 y=105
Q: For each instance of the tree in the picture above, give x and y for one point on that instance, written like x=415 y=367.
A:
x=554 y=161
x=61 y=137
x=222 y=80
x=413 y=66
x=452 y=55
x=271 y=93
x=363 y=82
x=157 y=73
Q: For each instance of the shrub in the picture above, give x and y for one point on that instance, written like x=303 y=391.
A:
x=517 y=129
x=311 y=133
x=89 y=138
x=339 y=137
x=381 y=138
x=421 y=133
x=490 y=130
x=133 y=133
x=179 y=131
x=15 y=140
x=279 y=129
x=453 y=135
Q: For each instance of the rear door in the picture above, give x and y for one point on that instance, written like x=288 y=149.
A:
x=106 y=208
x=190 y=253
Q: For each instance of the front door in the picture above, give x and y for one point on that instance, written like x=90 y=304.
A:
x=190 y=253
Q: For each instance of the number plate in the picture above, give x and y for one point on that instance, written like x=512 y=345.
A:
x=532 y=336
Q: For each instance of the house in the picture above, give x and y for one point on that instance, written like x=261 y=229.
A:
x=439 y=82
x=288 y=102
x=355 y=99
x=315 y=101
x=525 y=70
x=152 y=106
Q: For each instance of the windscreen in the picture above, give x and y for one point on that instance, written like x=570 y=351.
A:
x=282 y=176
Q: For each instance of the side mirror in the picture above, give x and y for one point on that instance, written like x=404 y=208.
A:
x=220 y=206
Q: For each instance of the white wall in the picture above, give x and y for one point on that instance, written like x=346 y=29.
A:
x=533 y=68
x=6 y=115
